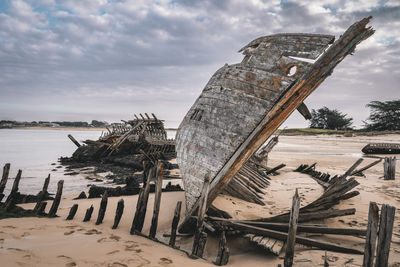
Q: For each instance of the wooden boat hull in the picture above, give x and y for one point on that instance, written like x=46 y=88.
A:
x=243 y=104
x=381 y=148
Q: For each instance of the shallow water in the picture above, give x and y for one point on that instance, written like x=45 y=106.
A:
x=33 y=151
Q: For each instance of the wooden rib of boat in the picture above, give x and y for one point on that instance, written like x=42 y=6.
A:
x=243 y=104
x=381 y=148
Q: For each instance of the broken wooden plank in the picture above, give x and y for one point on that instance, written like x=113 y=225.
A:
x=42 y=194
x=223 y=251
x=384 y=235
x=359 y=171
x=352 y=168
x=88 y=214
x=11 y=199
x=57 y=199
x=175 y=222
x=389 y=168
x=157 y=200
x=103 y=208
x=118 y=213
x=372 y=232
x=291 y=237
x=280 y=166
x=72 y=212
x=74 y=140
x=300 y=240
x=304 y=111
x=4 y=177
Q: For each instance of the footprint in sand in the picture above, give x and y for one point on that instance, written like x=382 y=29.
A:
x=115 y=237
x=9 y=226
x=113 y=252
x=16 y=249
x=101 y=240
x=165 y=261
x=63 y=256
x=69 y=233
x=93 y=232
x=117 y=264
x=70 y=264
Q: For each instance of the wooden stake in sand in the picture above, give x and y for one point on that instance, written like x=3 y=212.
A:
x=389 y=168
x=385 y=235
x=74 y=140
x=141 y=206
x=118 y=213
x=42 y=194
x=372 y=232
x=10 y=202
x=157 y=200
x=200 y=236
x=4 y=178
x=223 y=251
x=72 y=212
x=103 y=207
x=41 y=209
x=291 y=238
x=175 y=221
x=88 y=214
x=57 y=199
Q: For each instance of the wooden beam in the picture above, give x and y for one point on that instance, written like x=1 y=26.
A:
x=103 y=208
x=157 y=200
x=4 y=178
x=175 y=222
x=291 y=237
x=385 y=235
x=42 y=194
x=88 y=214
x=372 y=232
x=72 y=212
x=74 y=140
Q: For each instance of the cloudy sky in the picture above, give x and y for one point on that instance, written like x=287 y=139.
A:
x=99 y=59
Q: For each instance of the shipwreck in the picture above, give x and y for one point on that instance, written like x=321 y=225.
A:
x=244 y=104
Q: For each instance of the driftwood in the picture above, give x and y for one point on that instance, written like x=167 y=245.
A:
x=102 y=209
x=385 y=235
x=42 y=194
x=280 y=166
x=157 y=201
x=72 y=212
x=57 y=199
x=88 y=214
x=118 y=213
x=41 y=209
x=175 y=221
x=389 y=168
x=372 y=232
x=291 y=238
x=74 y=140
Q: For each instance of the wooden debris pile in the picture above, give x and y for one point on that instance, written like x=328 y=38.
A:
x=145 y=136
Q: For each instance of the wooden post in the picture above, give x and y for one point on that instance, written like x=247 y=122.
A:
x=326 y=264
x=57 y=199
x=372 y=231
x=74 y=140
x=141 y=206
x=4 y=178
x=102 y=209
x=200 y=237
x=175 y=221
x=118 y=213
x=389 y=168
x=223 y=251
x=88 y=214
x=385 y=235
x=291 y=238
x=41 y=209
x=157 y=200
x=42 y=194
x=10 y=202
x=72 y=212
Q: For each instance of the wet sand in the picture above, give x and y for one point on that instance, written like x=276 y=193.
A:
x=56 y=242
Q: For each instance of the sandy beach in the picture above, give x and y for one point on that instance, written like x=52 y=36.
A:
x=57 y=242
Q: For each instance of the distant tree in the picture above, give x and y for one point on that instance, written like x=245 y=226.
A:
x=96 y=123
x=384 y=115
x=325 y=118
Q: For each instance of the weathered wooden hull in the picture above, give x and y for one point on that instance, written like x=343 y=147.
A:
x=381 y=148
x=243 y=104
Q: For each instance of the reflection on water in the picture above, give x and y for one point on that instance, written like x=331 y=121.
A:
x=33 y=151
